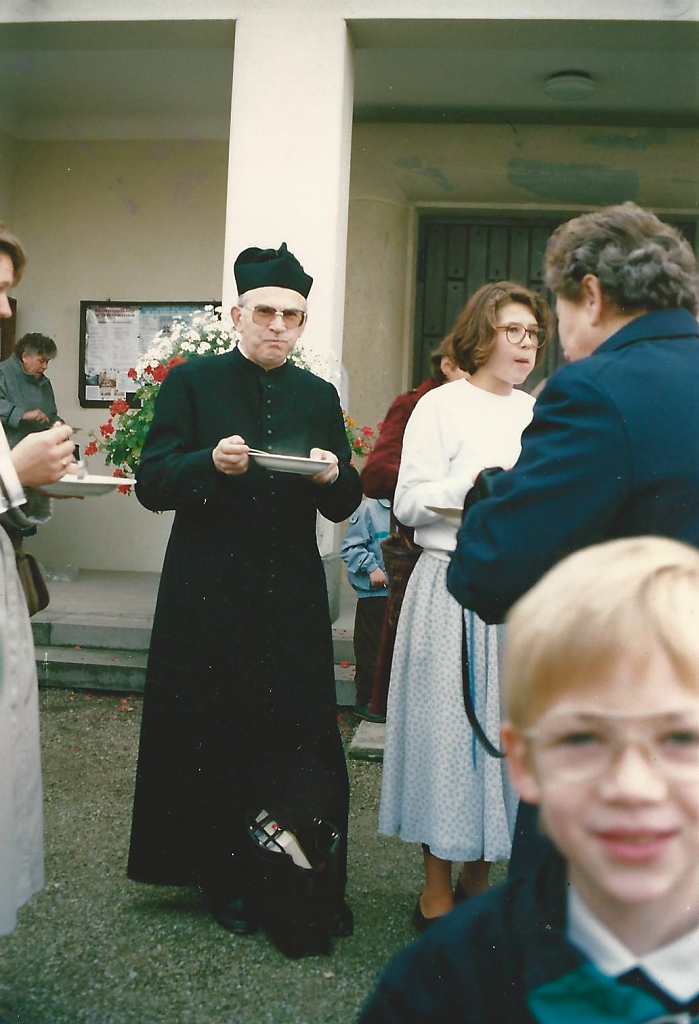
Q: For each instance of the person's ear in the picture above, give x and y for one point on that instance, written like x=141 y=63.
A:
x=522 y=773
x=235 y=315
x=593 y=299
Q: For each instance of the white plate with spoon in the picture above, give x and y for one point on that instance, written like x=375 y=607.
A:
x=289 y=463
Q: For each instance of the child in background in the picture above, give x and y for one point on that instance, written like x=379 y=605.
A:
x=361 y=553
x=602 y=699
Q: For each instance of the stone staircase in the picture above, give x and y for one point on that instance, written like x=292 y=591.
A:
x=92 y=652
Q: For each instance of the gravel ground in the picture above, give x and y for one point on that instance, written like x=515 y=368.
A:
x=95 y=948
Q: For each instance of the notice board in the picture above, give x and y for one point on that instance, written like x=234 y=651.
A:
x=113 y=336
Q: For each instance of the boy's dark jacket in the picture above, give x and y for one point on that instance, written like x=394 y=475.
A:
x=503 y=958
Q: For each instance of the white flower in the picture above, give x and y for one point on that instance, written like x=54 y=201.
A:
x=203 y=348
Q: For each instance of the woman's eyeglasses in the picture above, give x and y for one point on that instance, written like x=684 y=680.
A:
x=264 y=315
x=515 y=334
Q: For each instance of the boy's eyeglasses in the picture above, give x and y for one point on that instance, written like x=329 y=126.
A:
x=264 y=315
x=515 y=334
x=575 y=747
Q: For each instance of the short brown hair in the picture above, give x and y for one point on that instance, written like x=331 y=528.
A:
x=640 y=262
x=11 y=245
x=473 y=336
x=615 y=600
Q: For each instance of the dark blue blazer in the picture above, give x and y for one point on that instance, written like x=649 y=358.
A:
x=612 y=451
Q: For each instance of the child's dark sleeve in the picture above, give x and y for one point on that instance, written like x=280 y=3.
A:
x=418 y=987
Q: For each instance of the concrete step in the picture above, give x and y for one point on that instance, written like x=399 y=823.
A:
x=120 y=633
x=98 y=632
x=368 y=742
x=122 y=670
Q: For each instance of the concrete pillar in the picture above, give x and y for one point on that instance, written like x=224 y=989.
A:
x=289 y=160
x=289 y=156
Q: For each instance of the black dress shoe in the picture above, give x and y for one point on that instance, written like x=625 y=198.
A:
x=421 y=922
x=235 y=915
x=342 y=921
x=460 y=893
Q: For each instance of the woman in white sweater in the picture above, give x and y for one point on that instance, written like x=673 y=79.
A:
x=439 y=786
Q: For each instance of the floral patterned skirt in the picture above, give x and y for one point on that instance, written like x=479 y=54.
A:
x=439 y=786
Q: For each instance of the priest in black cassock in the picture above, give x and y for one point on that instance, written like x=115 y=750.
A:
x=240 y=669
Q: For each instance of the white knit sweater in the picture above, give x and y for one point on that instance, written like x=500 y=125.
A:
x=453 y=433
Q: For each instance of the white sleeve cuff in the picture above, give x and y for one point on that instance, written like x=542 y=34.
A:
x=13 y=495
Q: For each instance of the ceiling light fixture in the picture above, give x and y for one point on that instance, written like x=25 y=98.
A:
x=570 y=85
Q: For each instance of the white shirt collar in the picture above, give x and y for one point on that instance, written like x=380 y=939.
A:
x=673 y=968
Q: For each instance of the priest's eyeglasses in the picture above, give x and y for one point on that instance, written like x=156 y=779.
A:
x=515 y=334
x=577 y=746
x=264 y=315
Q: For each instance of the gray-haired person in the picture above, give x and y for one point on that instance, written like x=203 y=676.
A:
x=613 y=448
x=27 y=401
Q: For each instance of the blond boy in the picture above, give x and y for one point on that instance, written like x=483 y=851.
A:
x=602 y=698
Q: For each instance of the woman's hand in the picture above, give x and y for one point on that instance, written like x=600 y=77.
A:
x=45 y=457
x=35 y=415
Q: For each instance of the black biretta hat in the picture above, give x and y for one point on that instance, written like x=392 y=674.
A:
x=260 y=268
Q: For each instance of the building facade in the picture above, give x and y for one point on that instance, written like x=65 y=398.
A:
x=406 y=150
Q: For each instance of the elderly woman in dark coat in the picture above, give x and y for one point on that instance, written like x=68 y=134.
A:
x=27 y=401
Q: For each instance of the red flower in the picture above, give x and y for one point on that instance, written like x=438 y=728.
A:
x=158 y=373
x=118 y=472
x=118 y=407
x=131 y=373
x=368 y=431
x=379 y=426
x=124 y=490
x=175 y=361
x=92 y=448
x=107 y=429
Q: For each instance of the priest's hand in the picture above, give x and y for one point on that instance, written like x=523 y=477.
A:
x=329 y=475
x=231 y=455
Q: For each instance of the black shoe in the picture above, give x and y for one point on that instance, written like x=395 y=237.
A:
x=362 y=711
x=235 y=915
x=421 y=922
x=342 y=921
x=460 y=893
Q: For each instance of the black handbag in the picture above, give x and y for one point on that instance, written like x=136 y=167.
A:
x=482 y=487
x=36 y=593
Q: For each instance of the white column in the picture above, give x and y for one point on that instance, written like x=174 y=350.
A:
x=289 y=160
x=289 y=157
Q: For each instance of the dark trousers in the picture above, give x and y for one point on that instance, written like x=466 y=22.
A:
x=379 y=693
x=368 y=625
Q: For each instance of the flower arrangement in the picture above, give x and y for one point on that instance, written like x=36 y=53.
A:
x=209 y=333
x=361 y=439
